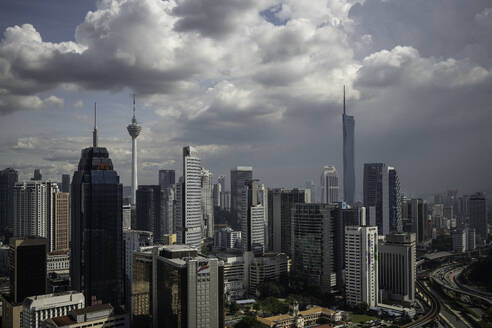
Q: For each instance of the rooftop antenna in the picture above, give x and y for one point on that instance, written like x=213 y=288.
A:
x=134 y=120
x=94 y=133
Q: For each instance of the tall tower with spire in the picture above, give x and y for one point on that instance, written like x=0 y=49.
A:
x=134 y=131
x=348 y=155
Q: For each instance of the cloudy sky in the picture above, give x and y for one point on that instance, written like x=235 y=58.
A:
x=252 y=82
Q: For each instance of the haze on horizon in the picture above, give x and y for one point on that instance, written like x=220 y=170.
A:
x=256 y=82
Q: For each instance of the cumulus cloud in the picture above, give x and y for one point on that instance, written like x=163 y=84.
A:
x=260 y=82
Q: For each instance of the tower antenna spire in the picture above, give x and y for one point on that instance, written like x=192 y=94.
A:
x=344 y=99
x=94 y=133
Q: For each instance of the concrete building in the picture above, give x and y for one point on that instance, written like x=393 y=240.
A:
x=252 y=219
x=151 y=210
x=8 y=179
x=478 y=216
x=217 y=190
x=418 y=221
x=207 y=204
x=270 y=266
x=280 y=204
x=133 y=240
x=127 y=216
x=313 y=245
x=459 y=241
x=34 y=204
x=234 y=287
x=361 y=266
x=36 y=309
x=65 y=183
x=329 y=185
x=348 y=155
x=314 y=317
x=194 y=283
x=169 y=239
x=397 y=268
x=227 y=238
x=61 y=233
x=96 y=316
x=58 y=262
x=225 y=200
x=189 y=216
x=239 y=176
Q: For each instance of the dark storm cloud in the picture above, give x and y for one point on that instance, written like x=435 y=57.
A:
x=210 y=18
x=440 y=28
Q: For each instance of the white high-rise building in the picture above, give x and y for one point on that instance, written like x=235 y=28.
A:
x=207 y=204
x=361 y=267
x=34 y=210
x=134 y=131
x=189 y=194
x=329 y=185
x=263 y=200
x=36 y=309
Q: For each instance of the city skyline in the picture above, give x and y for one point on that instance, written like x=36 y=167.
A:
x=230 y=116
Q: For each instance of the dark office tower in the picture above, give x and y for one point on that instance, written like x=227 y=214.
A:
x=97 y=259
x=65 y=183
x=8 y=179
x=27 y=257
x=151 y=210
x=376 y=196
x=27 y=273
x=417 y=213
x=221 y=181
x=348 y=155
x=167 y=178
x=478 y=216
x=313 y=251
x=343 y=216
x=239 y=176
x=395 y=219
x=37 y=175
x=280 y=204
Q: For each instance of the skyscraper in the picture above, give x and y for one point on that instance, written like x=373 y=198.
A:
x=65 y=183
x=239 y=176
x=280 y=204
x=394 y=202
x=252 y=219
x=151 y=214
x=348 y=155
x=97 y=259
x=478 y=216
x=361 y=267
x=189 y=216
x=329 y=185
x=377 y=196
x=37 y=175
x=134 y=131
x=313 y=235
x=8 y=179
x=167 y=178
x=207 y=204
x=397 y=268
x=34 y=210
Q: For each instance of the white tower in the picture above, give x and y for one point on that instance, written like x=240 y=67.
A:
x=134 y=131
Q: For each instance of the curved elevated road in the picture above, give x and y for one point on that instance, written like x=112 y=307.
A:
x=432 y=314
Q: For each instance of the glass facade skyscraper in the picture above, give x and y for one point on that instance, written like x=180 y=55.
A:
x=348 y=155
x=97 y=258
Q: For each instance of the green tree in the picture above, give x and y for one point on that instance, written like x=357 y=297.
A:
x=248 y=322
x=233 y=307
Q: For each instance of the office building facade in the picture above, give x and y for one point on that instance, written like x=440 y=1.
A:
x=189 y=216
x=361 y=265
x=8 y=179
x=313 y=248
x=239 y=176
x=348 y=155
x=329 y=185
x=97 y=250
x=478 y=216
x=167 y=178
x=252 y=219
x=62 y=221
x=397 y=268
x=207 y=204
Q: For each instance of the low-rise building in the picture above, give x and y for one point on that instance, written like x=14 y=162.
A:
x=95 y=316
x=270 y=266
x=58 y=262
x=36 y=309
x=309 y=318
